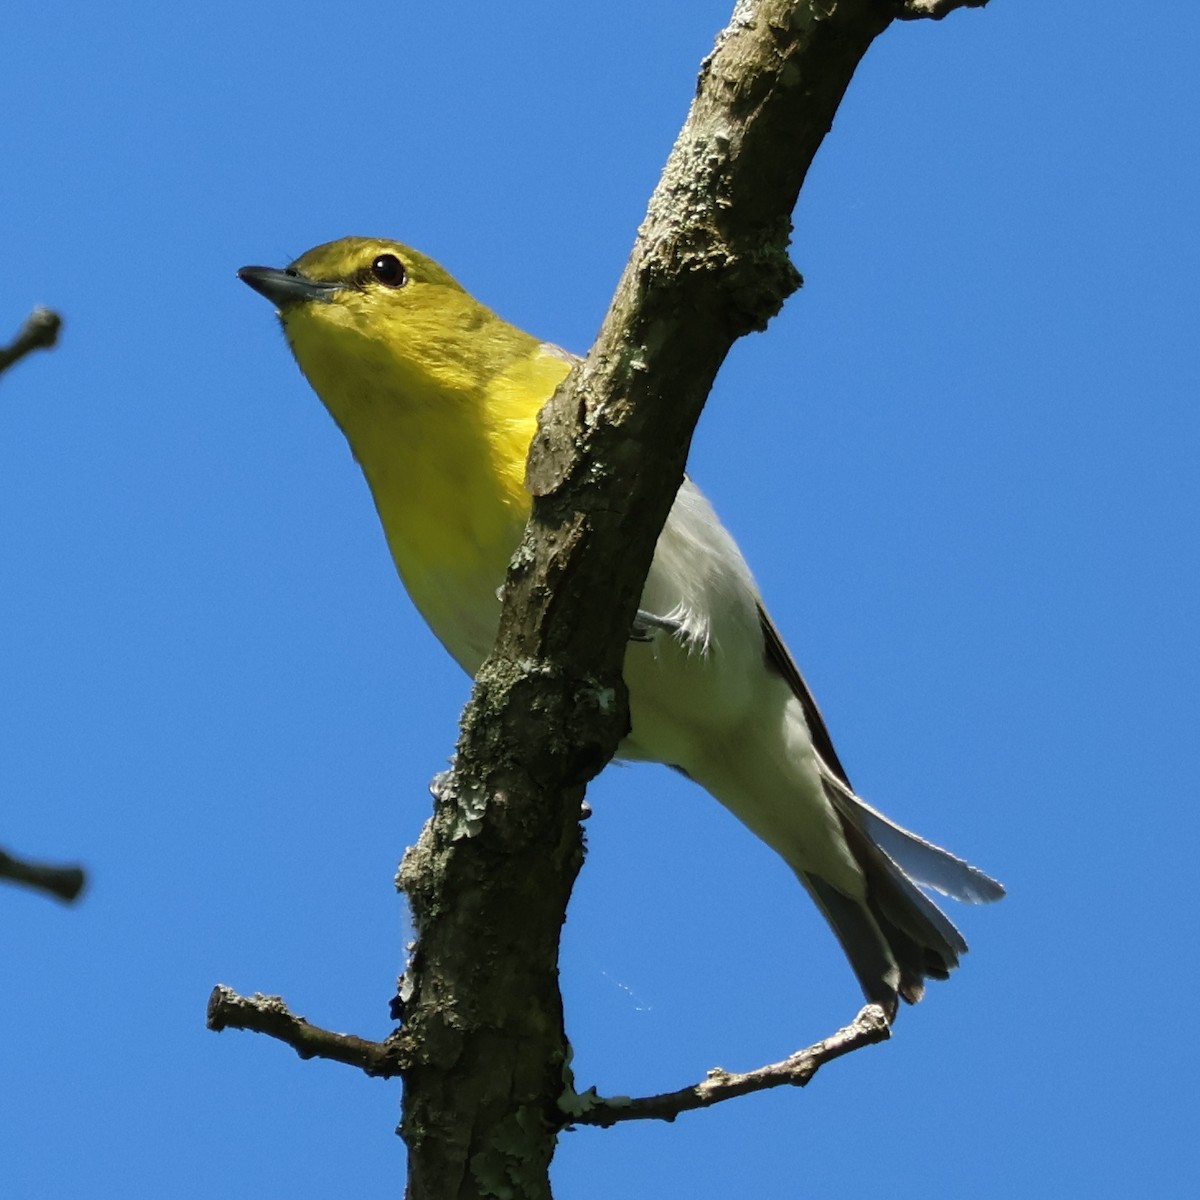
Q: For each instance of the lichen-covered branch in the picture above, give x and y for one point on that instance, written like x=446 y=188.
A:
x=489 y=879
x=483 y=1051
x=270 y=1015
x=39 y=332
x=868 y=1028
x=63 y=882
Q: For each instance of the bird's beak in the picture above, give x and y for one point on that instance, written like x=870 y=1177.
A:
x=287 y=286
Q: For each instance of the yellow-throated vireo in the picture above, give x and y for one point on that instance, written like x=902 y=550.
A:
x=438 y=398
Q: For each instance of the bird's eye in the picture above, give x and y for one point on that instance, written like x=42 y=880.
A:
x=389 y=270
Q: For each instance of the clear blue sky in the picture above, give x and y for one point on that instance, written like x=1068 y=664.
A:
x=962 y=462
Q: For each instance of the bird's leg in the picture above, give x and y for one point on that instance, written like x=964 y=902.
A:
x=647 y=626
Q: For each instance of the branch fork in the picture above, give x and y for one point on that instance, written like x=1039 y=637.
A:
x=260 y=1013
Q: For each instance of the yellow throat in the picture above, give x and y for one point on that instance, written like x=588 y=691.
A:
x=438 y=398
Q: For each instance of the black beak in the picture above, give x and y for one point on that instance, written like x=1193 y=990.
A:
x=288 y=286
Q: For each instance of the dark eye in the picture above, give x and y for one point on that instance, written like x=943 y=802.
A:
x=389 y=270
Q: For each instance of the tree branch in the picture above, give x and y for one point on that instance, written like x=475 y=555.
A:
x=868 y=1028
x=63 y=882
x=489 y=880
x=270 y=1015
x=935 y=10
x=39 y=332
x=483 y=1051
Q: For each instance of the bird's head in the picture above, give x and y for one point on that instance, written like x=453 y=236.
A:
x=374 y=321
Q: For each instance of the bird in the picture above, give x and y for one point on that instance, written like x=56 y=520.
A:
x=438 y=397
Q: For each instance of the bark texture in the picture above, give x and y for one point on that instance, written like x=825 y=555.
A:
x=483 y=1040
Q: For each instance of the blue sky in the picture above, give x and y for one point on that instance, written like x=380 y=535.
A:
x=962 y=463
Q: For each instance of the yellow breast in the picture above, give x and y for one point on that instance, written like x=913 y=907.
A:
x=438 y=398
x=444 y=454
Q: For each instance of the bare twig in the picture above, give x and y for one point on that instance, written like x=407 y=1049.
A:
x=39 y=332
x=64 y=882
x=868 y=1028
x=270 y=1015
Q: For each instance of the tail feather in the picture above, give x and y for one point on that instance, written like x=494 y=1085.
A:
x=873 y=960
x=919 y=859
x=899 y=902
x=922 y=939
x=896 y=937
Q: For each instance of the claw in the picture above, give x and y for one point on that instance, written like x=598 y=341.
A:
x=647 y=626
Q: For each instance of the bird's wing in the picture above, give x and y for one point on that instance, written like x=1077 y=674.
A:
x=781 y=661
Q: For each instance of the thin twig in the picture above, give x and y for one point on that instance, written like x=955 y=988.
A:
x=64 y=882
x=39 y=332
x=869 y=1027
x=270 y=1015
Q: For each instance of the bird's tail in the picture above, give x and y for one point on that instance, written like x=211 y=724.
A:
x=897 y=937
